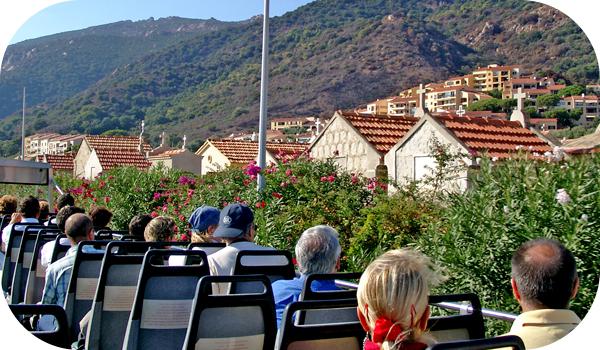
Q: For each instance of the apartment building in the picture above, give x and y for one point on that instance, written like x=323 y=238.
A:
x=493 y=77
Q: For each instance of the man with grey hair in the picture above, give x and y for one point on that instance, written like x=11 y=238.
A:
x=317 y=251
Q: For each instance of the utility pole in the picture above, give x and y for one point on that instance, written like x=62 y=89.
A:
x=264 y=85
x=23 y=129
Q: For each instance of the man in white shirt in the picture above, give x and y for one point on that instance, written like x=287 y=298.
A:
x=544 y=280
x=61 y=218
x=236 y=229
x=29 y=211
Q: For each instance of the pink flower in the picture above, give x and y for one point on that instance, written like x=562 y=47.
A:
x=154 y=214
x=190 y=193
x=185 y=238
x=293 y=179
x=261 y=204
x=252 y=169
x=288 y=172
x=283 y=184
x=181 y=218
x=323 y=178
x=277 y=195
x=184 y=180
x=156 y=196
x=354 y=179
x=106 y=199
x=331 y=178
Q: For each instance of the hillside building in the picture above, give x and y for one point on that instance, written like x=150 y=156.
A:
x=589 y=105
x=174 y=158
x=50 y=143
x=494 y=77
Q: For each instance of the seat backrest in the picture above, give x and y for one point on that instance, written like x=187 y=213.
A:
x=83 y=283
x=275 y=264
x=503 y=342
x=58 y=337
x=163 y=301
x=60 y=249
x=12 y=252
x=37 y=272
x=240 y=321
x=115 y=294
x=330 y=336
x=23 y=263
x=105 y=234
x=327 y=315
x=457 y=327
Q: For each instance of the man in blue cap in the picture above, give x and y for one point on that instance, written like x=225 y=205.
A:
x=236 y=229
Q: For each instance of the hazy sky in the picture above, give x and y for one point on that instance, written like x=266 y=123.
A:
x=78 y=14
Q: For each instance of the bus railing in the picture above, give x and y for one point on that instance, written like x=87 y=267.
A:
x=462 y=308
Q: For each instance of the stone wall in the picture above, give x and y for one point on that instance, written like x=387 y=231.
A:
x=354 y=154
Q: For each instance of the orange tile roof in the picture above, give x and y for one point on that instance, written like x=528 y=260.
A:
x=58 y=162
x=404 y=99
x=115 y=151
x=499 y=138
x=247 y=151
x=116 y=142
x=542 y=120
x=382 y=132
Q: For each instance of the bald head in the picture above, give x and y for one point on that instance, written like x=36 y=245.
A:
x=78 y=227
x=545 y=274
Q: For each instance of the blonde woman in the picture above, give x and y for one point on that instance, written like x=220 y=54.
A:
x=393 y=295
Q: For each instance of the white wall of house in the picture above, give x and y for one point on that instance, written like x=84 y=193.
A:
x=412 y=160
x=355 y=154
x=92 y=167
x=212 y=160
x=188 y=161
x=81 y=159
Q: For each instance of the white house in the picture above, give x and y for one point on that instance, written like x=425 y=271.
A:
x=358 y=142
x=413 y=158
x=100 y=153
x=219 y=154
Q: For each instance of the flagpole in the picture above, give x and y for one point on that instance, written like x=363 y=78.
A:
x=264 y=83
x=23 y=129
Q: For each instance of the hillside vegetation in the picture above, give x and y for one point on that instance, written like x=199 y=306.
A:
x=326 y=55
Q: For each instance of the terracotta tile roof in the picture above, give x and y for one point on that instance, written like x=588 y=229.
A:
x=116 y=142
x=404 y=99
x=556 y=87
x=522 y=80
x=537 y=91
x=382 y=132
x=58 y=162
x=582 y=98
x=168 y=153
x=499 y=138
x=247 y=151
x=488 y=114
x=113 y=158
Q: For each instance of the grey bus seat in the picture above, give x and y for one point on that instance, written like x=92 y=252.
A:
x=327 y=336
x=23 y=263
x=60 y=250
x=457 y=327
x=328 y=315
x=503 y=342
x=36 y=277
x=12 y=252
x=208 y=248
x=83 y=283
x=275 y=264
x=237 y=320
x=163 y=301
x=58 y=337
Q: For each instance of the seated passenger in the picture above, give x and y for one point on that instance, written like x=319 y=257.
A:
x=160 y=229
x=29 y=211
x=44 y=211
x=8 y=204
x=393 y=301
x=101 y=217
x=61 y=218
x=317 y=251
x=203 y=222
x=78 y=228
x=544 y=280
x=138 y=224
x=65 y=199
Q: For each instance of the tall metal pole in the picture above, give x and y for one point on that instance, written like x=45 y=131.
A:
x=23 y=129
x=264 y=85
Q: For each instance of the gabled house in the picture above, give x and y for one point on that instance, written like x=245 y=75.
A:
x=412 y=158
x=357 y=142
x=57 y=162
x=181 y=159
x=100 y=153
x=219 y=154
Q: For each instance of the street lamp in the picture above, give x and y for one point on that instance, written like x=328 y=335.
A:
x=264 y=83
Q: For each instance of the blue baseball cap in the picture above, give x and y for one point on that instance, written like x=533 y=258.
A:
x=234 y=220
x=203 y=217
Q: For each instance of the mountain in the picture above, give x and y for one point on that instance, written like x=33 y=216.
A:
x=326 y=55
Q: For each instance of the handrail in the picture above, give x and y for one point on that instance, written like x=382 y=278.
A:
x=466 y=309
x=57 y=187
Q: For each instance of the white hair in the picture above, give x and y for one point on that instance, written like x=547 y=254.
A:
x=318 y=250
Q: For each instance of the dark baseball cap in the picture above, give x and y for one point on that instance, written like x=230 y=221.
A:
x=203 y=217
x=234 y=220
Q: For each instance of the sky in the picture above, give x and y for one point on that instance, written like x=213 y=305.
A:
x=78 y=14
